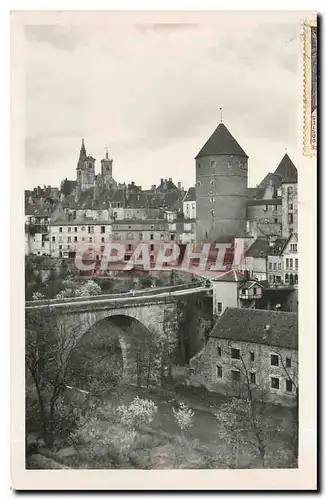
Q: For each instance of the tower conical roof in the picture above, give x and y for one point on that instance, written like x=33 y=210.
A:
x=221 y=142
x=287 y=170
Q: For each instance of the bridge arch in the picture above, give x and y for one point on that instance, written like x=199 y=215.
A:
x=116 y=347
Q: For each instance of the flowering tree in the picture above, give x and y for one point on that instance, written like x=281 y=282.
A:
x=183 y=417
x=74 y=289
x=138 y=412
x=38 y=296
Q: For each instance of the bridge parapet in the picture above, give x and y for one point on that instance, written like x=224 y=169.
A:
x=135 y=293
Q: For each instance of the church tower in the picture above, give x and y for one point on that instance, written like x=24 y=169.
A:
x=85 y=170
x=106 y=169
x=221 y=188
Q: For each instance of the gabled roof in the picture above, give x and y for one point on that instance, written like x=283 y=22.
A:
x=250 y=325
x=279 y=245
x=231 y=276
x=221 y=142
x=259 y=249
x=287 y=170
x=249 y=284
x=272 y=178
x=190 y=195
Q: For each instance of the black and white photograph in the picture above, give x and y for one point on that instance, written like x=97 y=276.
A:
x=169 y=167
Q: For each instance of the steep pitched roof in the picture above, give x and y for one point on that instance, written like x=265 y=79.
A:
x=274 y=178
x=249 y=325
x=190 y=195
x=260 y=248
x=221 y=142
x=287 y=170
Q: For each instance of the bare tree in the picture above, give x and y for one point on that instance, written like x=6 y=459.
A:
x=48 y=350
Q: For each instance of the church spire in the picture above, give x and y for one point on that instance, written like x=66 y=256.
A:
x=83 y=150
x=82 y=156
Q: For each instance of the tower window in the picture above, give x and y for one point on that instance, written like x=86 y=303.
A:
x=90 y=165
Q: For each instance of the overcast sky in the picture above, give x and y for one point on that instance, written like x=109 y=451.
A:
x=151 y=93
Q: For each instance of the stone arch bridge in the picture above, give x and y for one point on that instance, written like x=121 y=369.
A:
x=155 y=312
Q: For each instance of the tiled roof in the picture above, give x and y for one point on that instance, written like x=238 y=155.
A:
x=190 y=195
x=275 y=179
x=279 y=246
x=250 y=325
x=250 y=283
x=137 y=200
x=260 y=248
x=287 y=170
x=231 y=275
x=221 y=142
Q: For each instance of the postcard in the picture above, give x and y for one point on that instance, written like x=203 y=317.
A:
x=163 y=236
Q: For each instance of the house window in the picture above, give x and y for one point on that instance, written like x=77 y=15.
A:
x=235 y=353
x=286 y=278
x=296 y=279
x=69 y=239
x=172 y=237
x=151 y=247
x=275 y=266
x=69 y=229
x=287 y=263
x=254 y=291
x=83 y=228
x=289 y=190
x=212 y=182
x=252 y=378
x=42 y=244
x=90 y=239
x=60 y=230
x=274 y=360
x=279 y=266
x=60 y=247
x=288 y=362
x=129 y=247
x=103 y=229
x=236 y=375
x=276 y=221
x=75 y=239
x=102 y=240
x=289 y=386
x=290 y=218
x=60 y=254
x=251 y=356
x=141 y=236
x=219 y=307
x=75 y=229
x=291 y=263
x=296 y=263
x=219 y=371
x=151 y=236
x=53 y=238
x=274 y=382
x=270 y=266
x=219 y=350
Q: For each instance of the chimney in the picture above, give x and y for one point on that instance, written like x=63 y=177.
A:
x=153 y=187
x=170 y=179
x=179 y=185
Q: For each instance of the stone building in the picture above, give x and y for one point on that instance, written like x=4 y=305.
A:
x=256 y=349
x=221 y=187
x=189 y=204
x=85 y=171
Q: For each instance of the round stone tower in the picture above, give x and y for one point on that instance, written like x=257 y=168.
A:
x=221 y=188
